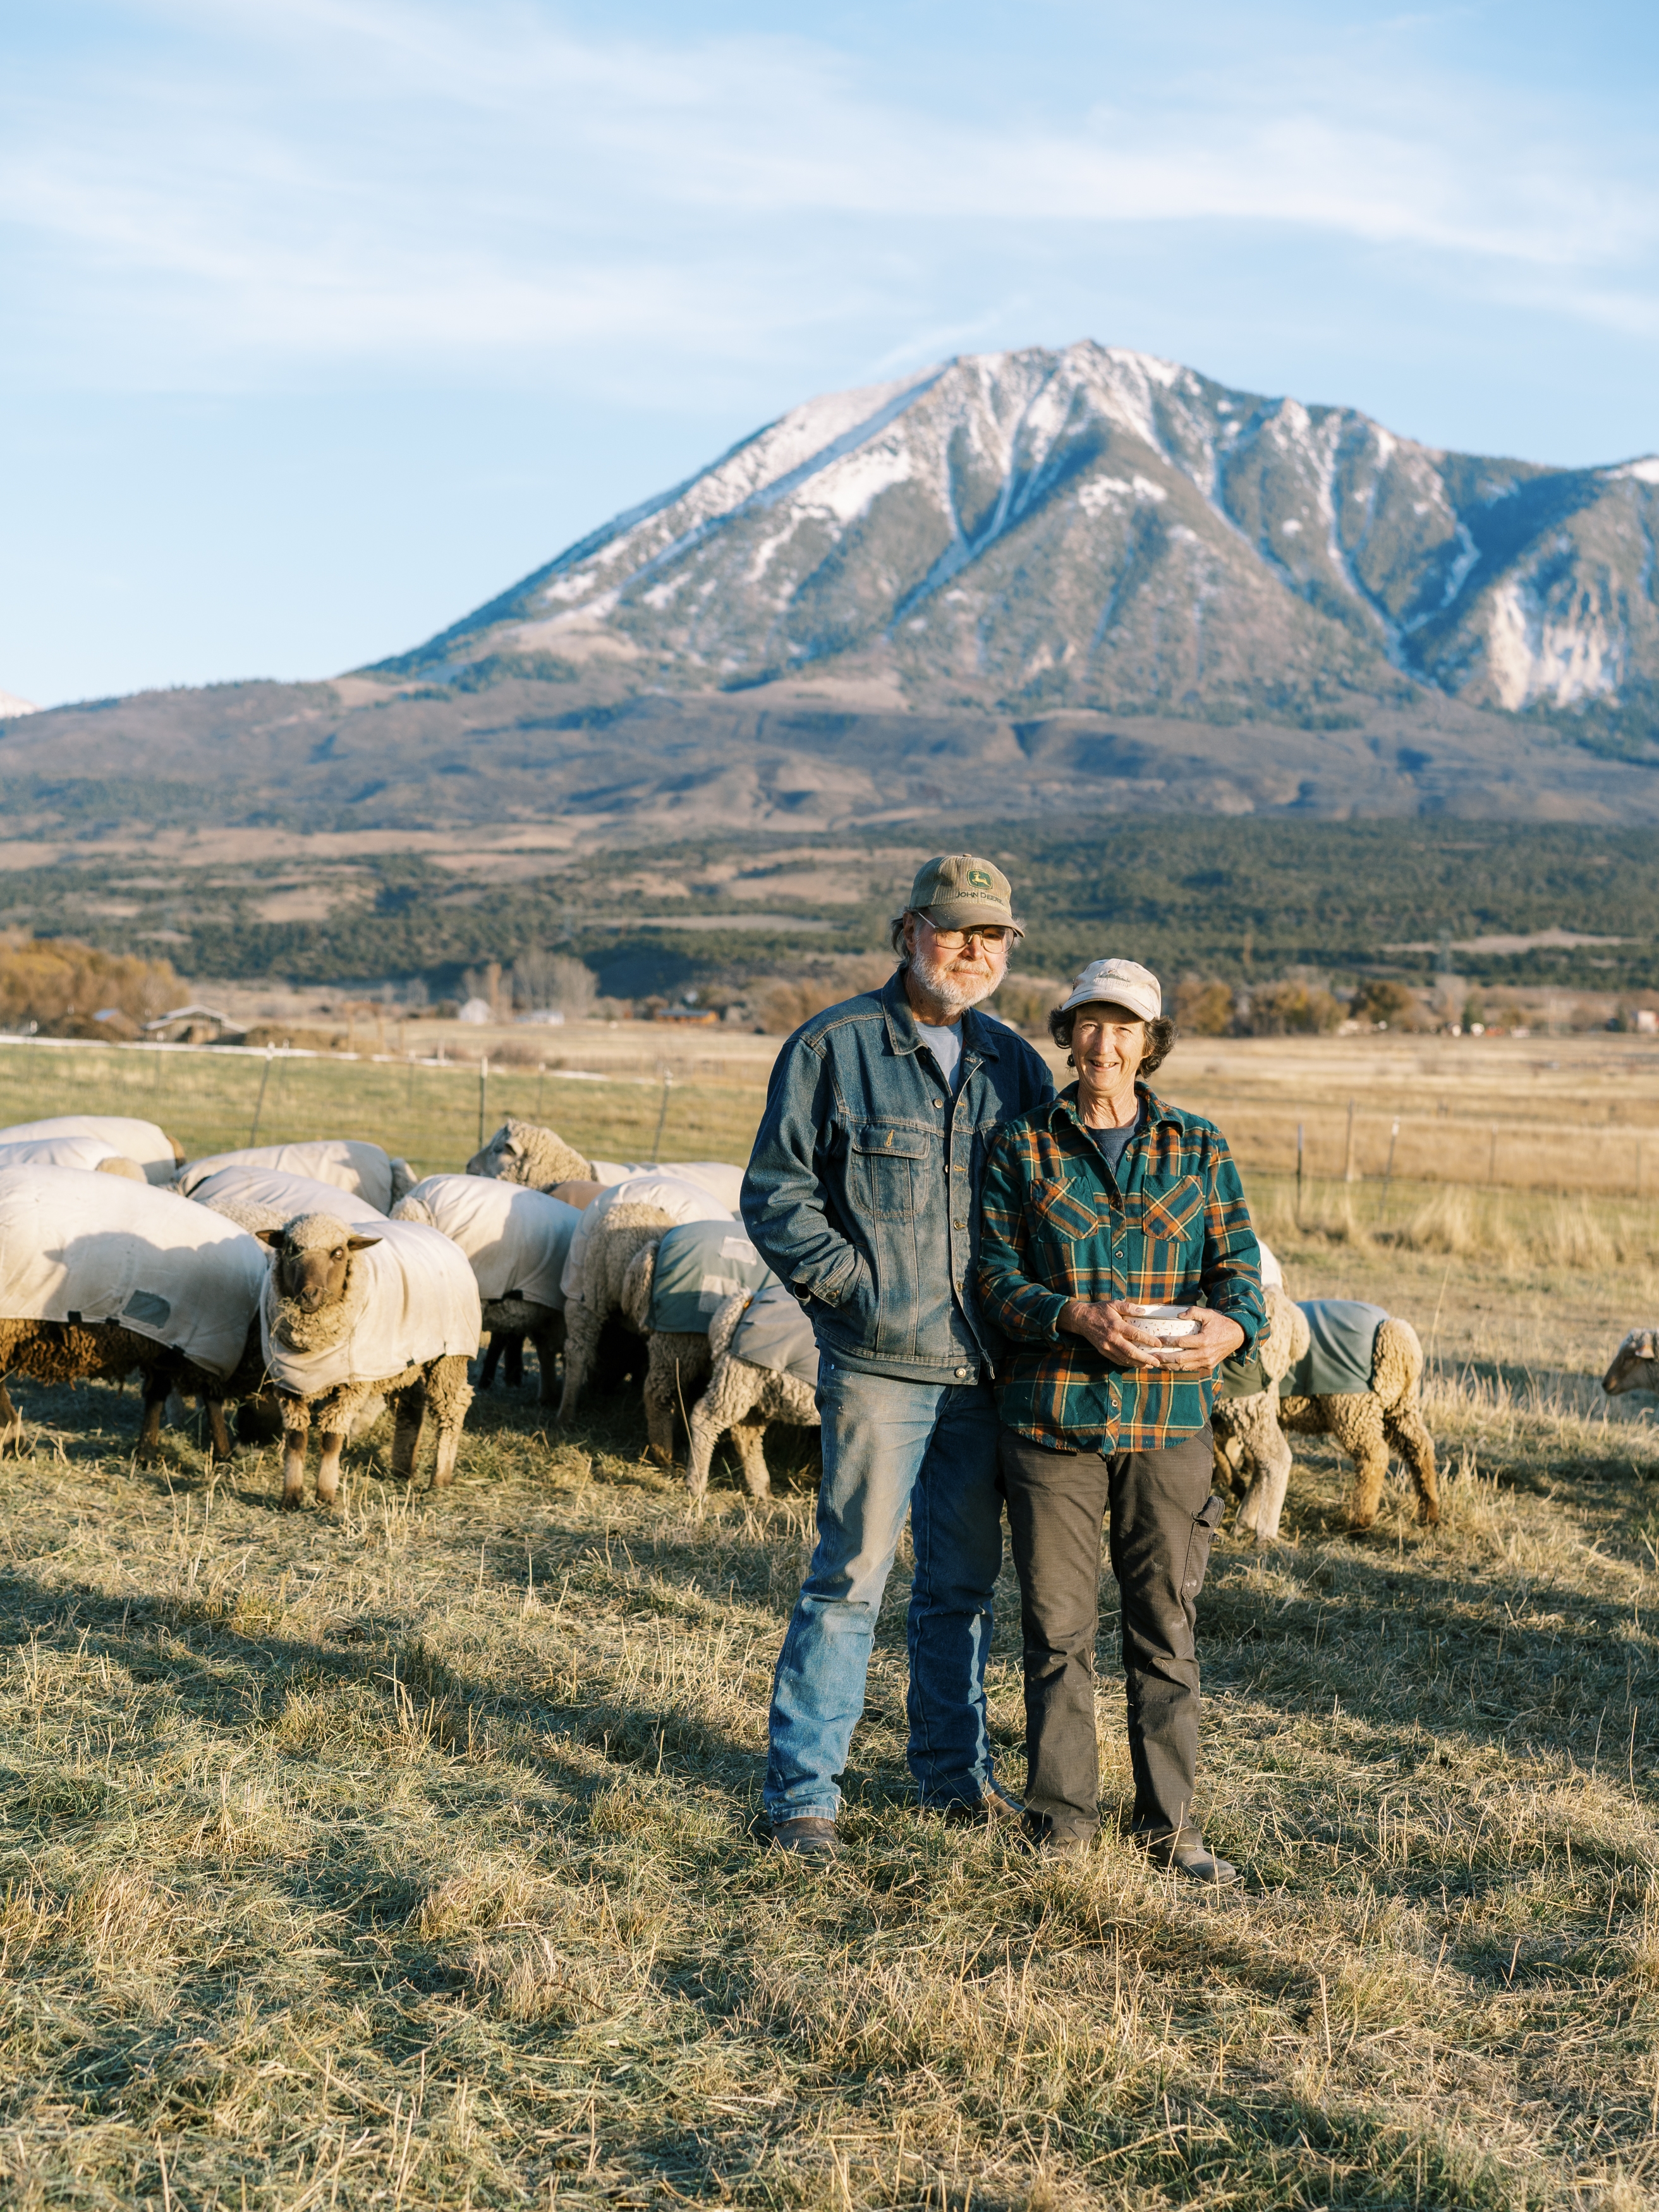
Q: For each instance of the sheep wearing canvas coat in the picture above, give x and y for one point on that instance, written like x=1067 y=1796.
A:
x=348 y=1164
x=105 y=1277
x=678 y=1360
x=624 y=1230
x=347 y=1316
x=530 y=1153
x=740 y=1399
x=158 y=1155
x=1364 y=1424
x=1635 y=1365
x=515 y=1242
x=90 y=1154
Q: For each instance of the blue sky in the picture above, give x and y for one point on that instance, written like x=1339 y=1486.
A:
x=325 y=319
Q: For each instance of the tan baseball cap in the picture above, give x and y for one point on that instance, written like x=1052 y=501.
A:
x=959 y=889
x=1117 y=983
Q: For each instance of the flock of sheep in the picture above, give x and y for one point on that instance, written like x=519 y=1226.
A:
x=309 y=1286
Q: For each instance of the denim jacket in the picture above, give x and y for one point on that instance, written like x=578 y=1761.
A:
x=862 y=1191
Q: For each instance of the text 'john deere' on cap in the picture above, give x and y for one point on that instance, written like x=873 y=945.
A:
x=959 y=889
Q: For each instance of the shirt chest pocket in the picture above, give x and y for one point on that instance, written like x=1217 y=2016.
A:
x=1066 y=1209
x=887 y=1165
x=1172 y=1215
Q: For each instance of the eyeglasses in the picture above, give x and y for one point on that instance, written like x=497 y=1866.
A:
x=994 y=933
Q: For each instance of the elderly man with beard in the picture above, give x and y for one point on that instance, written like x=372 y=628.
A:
x=862 y=1195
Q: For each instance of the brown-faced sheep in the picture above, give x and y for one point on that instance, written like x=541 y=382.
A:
x=347 y=1316
x=106 y=1277
x=158 y=1155
x=1328 y=1336
x=1635 y=1365
x=673 y=1287
x=515 y=1241
x=530 y=1153
x=744 y=1395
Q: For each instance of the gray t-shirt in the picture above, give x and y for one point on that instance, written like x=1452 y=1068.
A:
x=1112 y=1143
x=945 y=1044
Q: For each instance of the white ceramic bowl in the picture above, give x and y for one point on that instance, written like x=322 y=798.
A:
x=1164 y=1322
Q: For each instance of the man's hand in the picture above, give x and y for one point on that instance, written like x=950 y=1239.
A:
x=1107 y=1325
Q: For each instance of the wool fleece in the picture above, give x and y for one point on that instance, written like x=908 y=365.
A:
x=345 y=1163
x=88 y=1248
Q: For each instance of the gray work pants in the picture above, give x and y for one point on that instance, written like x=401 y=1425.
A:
x=1159 y=1511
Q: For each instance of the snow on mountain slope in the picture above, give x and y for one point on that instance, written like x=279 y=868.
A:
x=11 y=705
x=1092 y=526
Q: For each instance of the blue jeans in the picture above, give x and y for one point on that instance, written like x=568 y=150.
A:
x=890 y=1446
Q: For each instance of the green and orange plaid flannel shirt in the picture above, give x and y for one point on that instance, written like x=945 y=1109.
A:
x=1171 y=1227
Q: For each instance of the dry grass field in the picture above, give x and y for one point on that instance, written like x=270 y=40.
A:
x=408 y=1857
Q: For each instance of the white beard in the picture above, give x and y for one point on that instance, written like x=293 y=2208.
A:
x=951 y=990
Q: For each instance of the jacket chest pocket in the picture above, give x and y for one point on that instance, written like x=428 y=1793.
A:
x=1066 y=1209
x=888 y=1167
x=1172 y=1215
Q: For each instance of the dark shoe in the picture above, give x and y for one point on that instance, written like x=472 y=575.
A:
x=1038 y=1835
x=994 y=1808
x=1188 y=1854
x=812 y=1839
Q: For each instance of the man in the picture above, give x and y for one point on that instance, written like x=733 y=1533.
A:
x=862 y=1195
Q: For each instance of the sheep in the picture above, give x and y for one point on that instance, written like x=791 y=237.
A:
x=345 y=1317
x=764 y=1368
x=91 y=1155
x=1635 y=1365
x=344 y=1163
x=157 y=1154
x=528 y=1152
x=105 y=1276
x=671 y=1291
x=515 y=1241
x=1323 y=1340
x=264 y=1198
x=593 y=1293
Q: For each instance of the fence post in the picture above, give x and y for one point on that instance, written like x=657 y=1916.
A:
x=1388 y=1174
x=656 y=1142
x=1298 y=1175
x=1492 y=1163
x=1348 y=1175
x=260 y=1103
x=483 y=1097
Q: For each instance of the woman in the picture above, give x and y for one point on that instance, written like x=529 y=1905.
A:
x=1106 y=1197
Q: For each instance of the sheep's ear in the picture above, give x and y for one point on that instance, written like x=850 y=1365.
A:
x=360 y=1243
x=272 y=1237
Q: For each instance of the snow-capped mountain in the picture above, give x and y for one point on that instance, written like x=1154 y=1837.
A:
x=1093 y=527
x=12 y=706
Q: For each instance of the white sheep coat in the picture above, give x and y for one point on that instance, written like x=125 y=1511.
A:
x=412 y=1299
x=289 y=1195
x=720 y=1180
x=679 y=1200
x=342 y=1163
x=82 y=1152
x=93 y=1248
x=516 y=1240
x=142 y=1142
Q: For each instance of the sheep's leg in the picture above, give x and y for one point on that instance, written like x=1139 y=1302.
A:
x=444 y=1389
x=491 y=1360
x=156 y=1388
x=662 y=1376
x=747 y=1438
x=1226 y=1459
x=11 y=1421
x=449 y=1447
x=410 y=1405
x=513 y=1366
x=296 y=1429
x=1353 y=1420
x=1264 y=1500
x=547 y=1342
x=706 y=1432
x=218 y=1434
x=328 y=1467
x=1407 y=1431
x=583 y=1325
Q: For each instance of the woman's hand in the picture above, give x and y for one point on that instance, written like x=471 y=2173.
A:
x=1107 y=1325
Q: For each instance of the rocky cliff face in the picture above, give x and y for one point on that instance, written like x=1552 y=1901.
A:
x=1094 y=528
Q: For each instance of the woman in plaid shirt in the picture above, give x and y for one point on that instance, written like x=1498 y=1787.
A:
x=1105 y=1199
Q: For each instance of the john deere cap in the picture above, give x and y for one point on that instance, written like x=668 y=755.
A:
x=1117 y=983
x=957 y=890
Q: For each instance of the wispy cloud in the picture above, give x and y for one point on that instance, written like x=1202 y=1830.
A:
x=339 y=180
